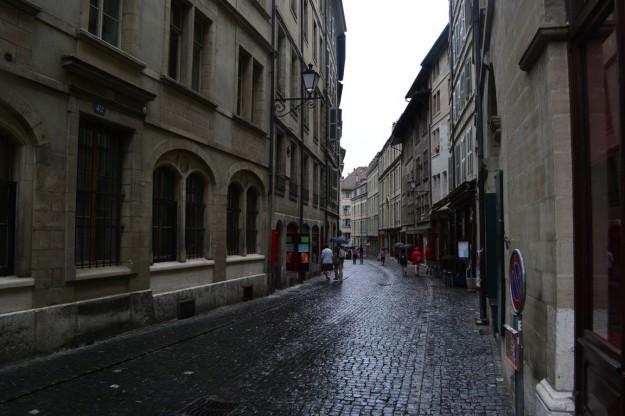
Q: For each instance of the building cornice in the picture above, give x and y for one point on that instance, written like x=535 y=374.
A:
x=542 y=38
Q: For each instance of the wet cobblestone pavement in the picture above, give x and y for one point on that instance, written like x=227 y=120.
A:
x=375 y=344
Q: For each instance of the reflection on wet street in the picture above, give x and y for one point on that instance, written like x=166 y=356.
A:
x=376 y=343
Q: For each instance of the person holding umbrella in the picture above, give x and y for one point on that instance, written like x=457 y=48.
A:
x=416 y=258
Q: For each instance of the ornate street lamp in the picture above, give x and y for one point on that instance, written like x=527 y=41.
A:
x=310 y=78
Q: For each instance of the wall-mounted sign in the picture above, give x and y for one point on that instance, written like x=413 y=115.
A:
x=304 y=252
x=512 y=343
x=463 y=249
x=99 y=108
x=517 y=281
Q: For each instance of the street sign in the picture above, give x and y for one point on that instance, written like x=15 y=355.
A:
x=517 y=281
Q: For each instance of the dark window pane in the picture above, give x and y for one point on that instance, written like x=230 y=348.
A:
x=174 y=55
x=94 y=16
x=111 y=8
x=195 y=208
x=234 y=211
x=164 y=215
x=198 y=45
x=7 y=227
x=604 y=163
x=175 y=37
x=251 y=221
x=110 y=30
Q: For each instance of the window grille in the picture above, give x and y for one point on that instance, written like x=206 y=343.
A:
x=7 y=227
x=194 y=225
x=98 y=196
x=164 y=216
x=233 y=212
x=251 y=221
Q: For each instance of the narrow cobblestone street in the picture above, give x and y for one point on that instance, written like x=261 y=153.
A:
x=377 y=344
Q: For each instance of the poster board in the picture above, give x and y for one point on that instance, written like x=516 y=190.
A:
x=463 y=249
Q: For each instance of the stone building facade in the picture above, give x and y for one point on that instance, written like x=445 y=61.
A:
x=553 y=137
x=306 y=154
x=372 y=245
x=359 y=214
x=348 y=186
x=135 y=144
x=389 y=182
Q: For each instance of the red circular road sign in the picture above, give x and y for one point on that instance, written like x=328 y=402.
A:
x=517 y=281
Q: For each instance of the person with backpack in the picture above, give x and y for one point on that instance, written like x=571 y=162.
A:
x=326 y=261
x=340 y=260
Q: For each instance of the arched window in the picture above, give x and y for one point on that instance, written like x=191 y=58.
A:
x=251 y=218
x=194 y=209
x=164 y=215
x=7 y=208
x=233 y=214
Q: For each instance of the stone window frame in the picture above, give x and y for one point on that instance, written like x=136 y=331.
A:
x=187 y=63
x=184 y=165
x=114 y=195
x=250 y=88
x=20 y=142
x=245 y=182
x=129 y=26
x=99 y=24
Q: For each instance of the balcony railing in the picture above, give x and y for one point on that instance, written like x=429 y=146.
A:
x=293 y=189
x=280 y=185
x=305 y=195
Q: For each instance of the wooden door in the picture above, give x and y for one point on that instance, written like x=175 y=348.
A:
x=597 y=71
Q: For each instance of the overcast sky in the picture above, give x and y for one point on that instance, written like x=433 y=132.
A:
x=386 y=42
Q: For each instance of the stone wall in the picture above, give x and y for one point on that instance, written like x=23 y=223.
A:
x=535 y=156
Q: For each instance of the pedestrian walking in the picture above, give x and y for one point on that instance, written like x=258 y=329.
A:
x=362 y=254
x=403 y=262
x=354 y=255
x=340 y=260
x=382 y=256
x=327 y=261
x=416 y=258
x=429 y=257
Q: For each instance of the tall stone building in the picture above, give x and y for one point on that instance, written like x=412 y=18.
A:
x=307 y=159
x=437 y=60
x=136 y=158
x=389 y=182
x=348 y=186
x=372 y=245
x=553 y=120
x=411 y=132
x=463 y=198
x=359 y=214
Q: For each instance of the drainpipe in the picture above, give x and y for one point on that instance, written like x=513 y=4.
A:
x=301 y=275
x=477 y=51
